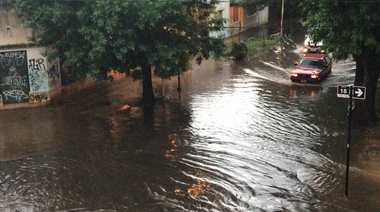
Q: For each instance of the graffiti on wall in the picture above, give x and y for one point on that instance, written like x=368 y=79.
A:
x=43 y=76
x=54 y=74
x=14 y=77
x=38 y=97
x=27 y=71
x=38 y=75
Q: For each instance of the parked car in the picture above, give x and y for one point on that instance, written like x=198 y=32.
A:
x=312 y=68
x=311 y=46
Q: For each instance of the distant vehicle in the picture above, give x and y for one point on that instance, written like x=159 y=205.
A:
x=311 y=46
x=312 y=68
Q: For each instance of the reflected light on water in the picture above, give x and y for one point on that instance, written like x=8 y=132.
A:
x=171 y=153
x=199 y=188
x=242 y=143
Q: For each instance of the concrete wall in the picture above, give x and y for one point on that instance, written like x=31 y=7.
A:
x=27 y=76
x=259 y=18
x=244 y=21
x=223 y=11
x=11 y=30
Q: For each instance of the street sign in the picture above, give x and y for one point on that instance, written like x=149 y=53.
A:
x=351 y=92
x=343 y=91
x=358 y=92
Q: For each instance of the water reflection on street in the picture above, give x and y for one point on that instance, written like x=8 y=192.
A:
x=242 y=138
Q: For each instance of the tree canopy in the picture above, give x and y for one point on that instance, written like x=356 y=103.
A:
x=95 y=36
x=350 y=28
x=347 y=29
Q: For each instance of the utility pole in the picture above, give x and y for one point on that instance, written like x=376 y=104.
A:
x=282 y=17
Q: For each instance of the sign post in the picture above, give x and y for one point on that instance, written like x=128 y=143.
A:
x=351 y=92
x=348 y=141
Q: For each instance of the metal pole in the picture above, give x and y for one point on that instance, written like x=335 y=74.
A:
x=263 y=37
x=179 y=86
x=348 y=141
x=282 y=17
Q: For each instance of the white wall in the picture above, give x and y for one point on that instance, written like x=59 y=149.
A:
x=263 y=16
x=224 y=9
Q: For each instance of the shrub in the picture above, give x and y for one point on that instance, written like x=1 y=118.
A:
x=239 y=50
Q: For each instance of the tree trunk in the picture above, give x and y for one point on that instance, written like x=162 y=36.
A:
x=148 y=94
x=367 y=75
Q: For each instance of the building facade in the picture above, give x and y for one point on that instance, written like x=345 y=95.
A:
x=26 y=74
x=239 y=21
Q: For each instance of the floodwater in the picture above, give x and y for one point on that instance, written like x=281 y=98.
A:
x=241 y=138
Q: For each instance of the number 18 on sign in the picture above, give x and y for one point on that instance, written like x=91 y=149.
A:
x=357 y=92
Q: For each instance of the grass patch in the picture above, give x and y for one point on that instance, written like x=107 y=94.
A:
x=255 y=45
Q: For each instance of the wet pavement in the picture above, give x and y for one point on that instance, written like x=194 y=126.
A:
x=241 y=138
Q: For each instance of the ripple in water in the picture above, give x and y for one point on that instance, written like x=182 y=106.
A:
x=255 y=148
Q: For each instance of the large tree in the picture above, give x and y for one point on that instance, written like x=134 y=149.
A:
x=348 y=29
x=351 y=28
x=95 y=36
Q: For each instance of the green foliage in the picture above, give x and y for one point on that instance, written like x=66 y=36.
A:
x=254 y=45
x=93 y=37
x=346 y=27
x=137 y=74
x=253 y=6
x=261 y=44
x=350 y=28
x=239 y=50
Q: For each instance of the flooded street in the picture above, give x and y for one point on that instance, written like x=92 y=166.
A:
x=242 y=138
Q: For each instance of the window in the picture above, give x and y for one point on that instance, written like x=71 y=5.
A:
x=220 y=14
